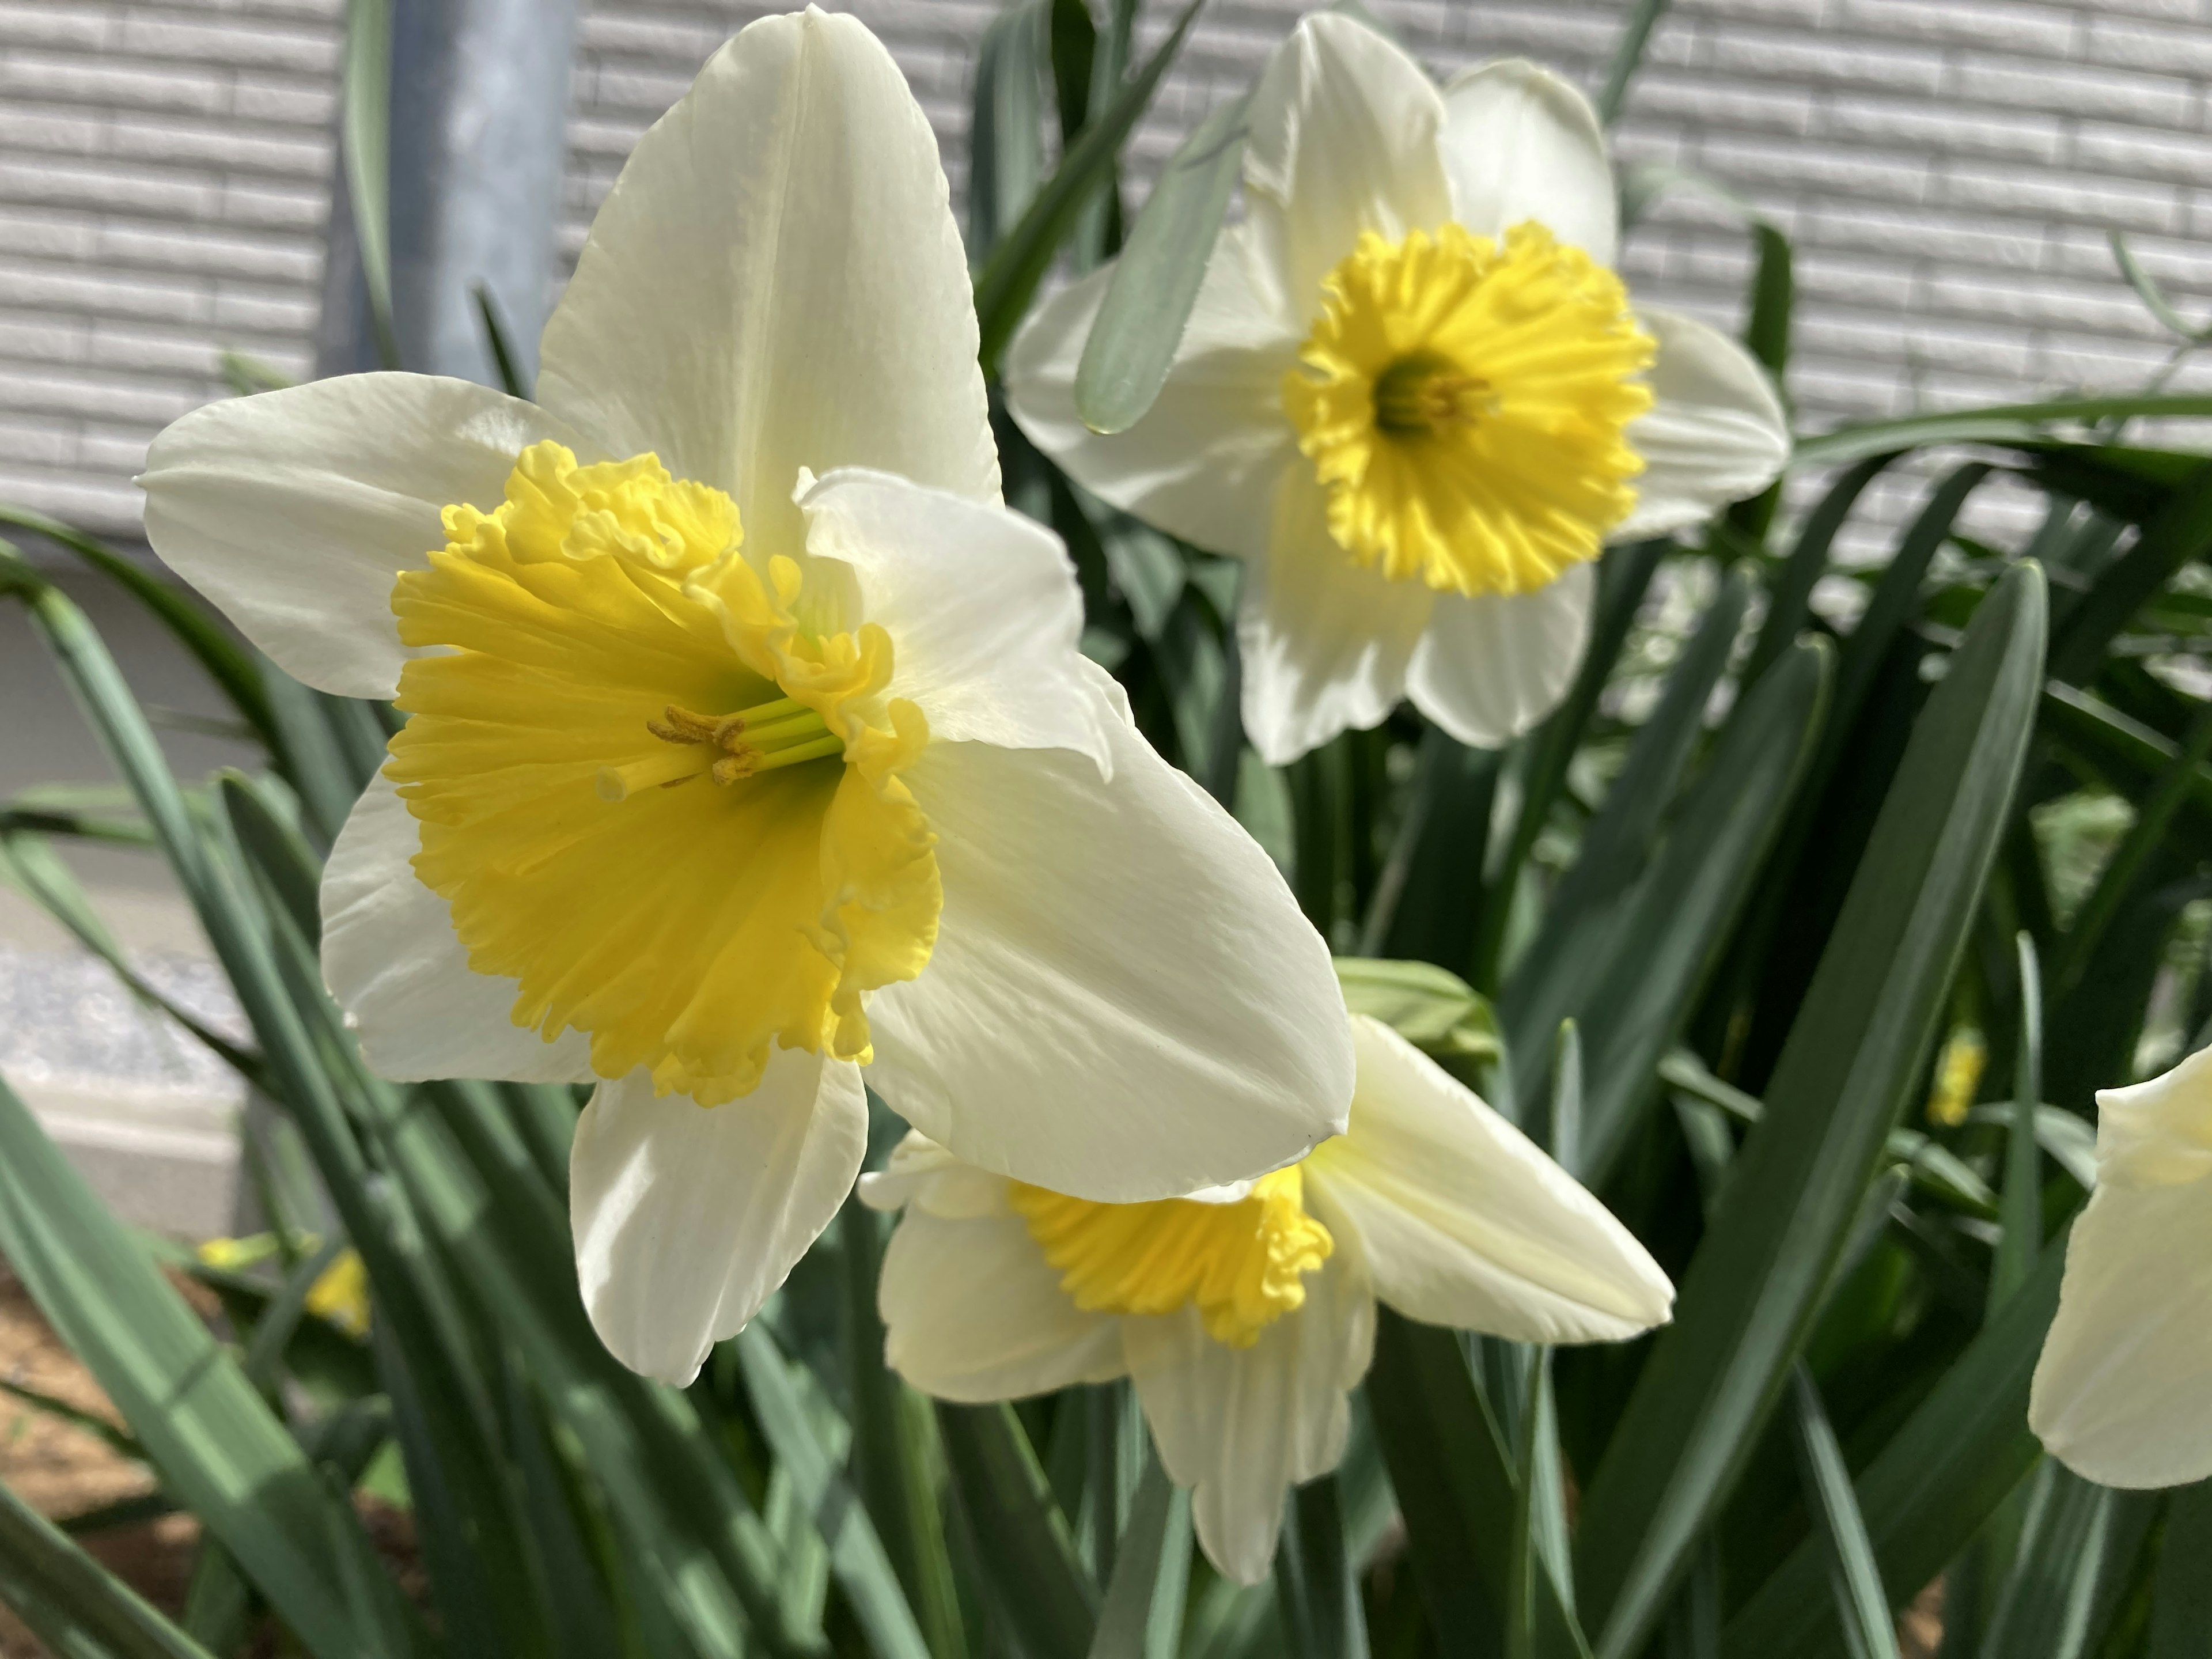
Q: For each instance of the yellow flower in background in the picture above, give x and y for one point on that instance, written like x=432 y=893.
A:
x=339 y=1294
x=1414 y=396
x=2123 y=1392
x=1958 y=1075
x=748 y=739
x=1246 y=1314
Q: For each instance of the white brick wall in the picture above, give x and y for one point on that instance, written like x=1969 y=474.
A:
x=164 y=176
x=1948 y=168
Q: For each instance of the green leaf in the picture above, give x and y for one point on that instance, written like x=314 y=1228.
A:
x=246 y=374
x=1862 y=1604
x=218 y=1447
x=1042 y=1587
x=1588 y=906
x=2181 y=1609
x=1789 y=599
x=1454 y=1478
x=2077 y=1541
x=230 y=665
x=2021 y=1240
x=1852 y=1056
x=2153 y=297
x=314 y=758
x=1315 y=1586
x=1999 y=423
x=893 y=1437
x=1627 y=56
x=274 y=848
x=1623 y=576
x=1426 y=1005
x=1430 y=892
x=503 y=359
x=365 y=138
x=1006 y=131
x=1932 y=1487
x=1148 y=299
x=75 y=1605
x=1020 y=257
x=1657 y=954
x=2181 y=531
x=856 y=1554
x=1141 y=1614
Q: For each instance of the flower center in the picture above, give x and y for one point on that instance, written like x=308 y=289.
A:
x=582 y=624
x=1242 y=1262
x=1422 y=395
x=1464 y=404
x=783 y=732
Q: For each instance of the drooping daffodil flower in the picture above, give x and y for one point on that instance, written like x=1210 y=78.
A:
x=747 y=740
x=1246 y=1315
x=2123 y=1393
x=1413 y=397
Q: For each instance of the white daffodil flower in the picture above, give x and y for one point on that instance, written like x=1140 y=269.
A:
x=1247 y=1314
x=1413 y=397
x=720 y=778
x=2123 y=1393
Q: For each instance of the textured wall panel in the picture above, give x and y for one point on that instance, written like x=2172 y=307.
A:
x=1948 y=168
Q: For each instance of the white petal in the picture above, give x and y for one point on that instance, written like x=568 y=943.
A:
x=1463 y=1221
x=1716 y=432
x=2123 y=1393
x=1343 y=139
x=1243 y=1425
x=2158 y=1133
x=1521 y=143
x=392 y=959
x=687 y=1218
x=775 y=282
x=1203 y=462
x=295 y=511
x=974 y=1312
x=1325 y=643
x=921 y=1173
x=1493 y=664
x=1124 y=1002
x=981 y=605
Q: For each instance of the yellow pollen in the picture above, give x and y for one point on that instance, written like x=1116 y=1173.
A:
x=578 y=627
x=1243 y=1263
x=1465 y=404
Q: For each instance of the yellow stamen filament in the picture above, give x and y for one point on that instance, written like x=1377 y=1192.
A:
x=1243 y=1263
x=762 y=739
x=1464 y=404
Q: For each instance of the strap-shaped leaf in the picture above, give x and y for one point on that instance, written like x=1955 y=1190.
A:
x=1038 y=1581
x=72 y=1603
x=894 y=1446
x=1148 y=301
x=1681 y=910
x=1862 y=1604
x=856 y=1554
x=1141 y=1614
x=1997 y=423
x=1021 y=256
x=1933 y=1487
x=216 y=1443
x=2181 y=1605
x=1855 y=1052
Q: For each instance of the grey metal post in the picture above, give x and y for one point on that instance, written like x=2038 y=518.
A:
x=479 y=117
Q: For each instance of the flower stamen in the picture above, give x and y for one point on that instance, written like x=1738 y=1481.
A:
x=764 y=738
